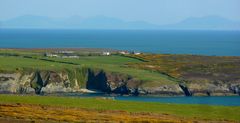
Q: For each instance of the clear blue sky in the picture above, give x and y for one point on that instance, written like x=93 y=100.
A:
x=154 y=11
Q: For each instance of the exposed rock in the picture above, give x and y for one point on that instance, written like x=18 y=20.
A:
x=185 y=89
x=169 y=90
x=37 y=83
x=235 y=89
x=15 y=83
x=97 y=81
x=212 y=89
x=55 y=87
x=135 y=91
x=42 y=82
x=121 y=90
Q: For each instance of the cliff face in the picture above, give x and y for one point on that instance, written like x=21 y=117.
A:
x=41 y=82
x=67 y=81
x=34 y=82
x=15 y=83
x=112 y=82
x=214 y=89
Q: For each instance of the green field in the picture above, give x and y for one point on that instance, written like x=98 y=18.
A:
x=181 y=110
x=115 y=63
x=119 y=64
x=11 y=63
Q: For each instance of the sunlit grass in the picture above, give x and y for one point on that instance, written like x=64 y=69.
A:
x=182 y=110
x=117 y=64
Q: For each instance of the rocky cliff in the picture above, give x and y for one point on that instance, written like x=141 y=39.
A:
x=44 y=81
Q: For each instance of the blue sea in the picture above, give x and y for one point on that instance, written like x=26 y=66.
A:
x=205 y=100
x=212 y=100
x=220 y=43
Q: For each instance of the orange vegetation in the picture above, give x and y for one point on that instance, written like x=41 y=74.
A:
x=25 y=113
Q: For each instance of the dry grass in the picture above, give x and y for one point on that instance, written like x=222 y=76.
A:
x=223 y=68
x=40 y=113
x=128 y=108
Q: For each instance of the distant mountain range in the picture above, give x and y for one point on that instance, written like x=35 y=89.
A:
x=103 y=22
x=203 y=23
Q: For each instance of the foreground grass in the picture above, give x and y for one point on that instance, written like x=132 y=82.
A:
x=28 y=113
x=181 y=110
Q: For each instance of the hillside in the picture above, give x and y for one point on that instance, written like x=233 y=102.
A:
x=31 y=71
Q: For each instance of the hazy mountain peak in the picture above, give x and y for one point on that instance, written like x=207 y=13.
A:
x=206 y=23
x=104 y=22
x=207 y=20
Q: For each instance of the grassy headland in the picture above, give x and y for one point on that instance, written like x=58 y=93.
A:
x=13 y=60
x=152 y=70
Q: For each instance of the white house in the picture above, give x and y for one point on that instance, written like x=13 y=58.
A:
x=106 y=53
x=124 y=52
x=66 y=52
x=137 y=53
x=70 y=57
x=51 y=55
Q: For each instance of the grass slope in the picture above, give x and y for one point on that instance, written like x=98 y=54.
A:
x=188 y=111
x=118 y=64
x=107 y=63
x=11 y=63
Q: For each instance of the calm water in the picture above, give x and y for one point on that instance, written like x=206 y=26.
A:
x=213 y=100
x=176 y=42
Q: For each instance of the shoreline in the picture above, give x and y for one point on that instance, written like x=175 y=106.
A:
x=198 y=100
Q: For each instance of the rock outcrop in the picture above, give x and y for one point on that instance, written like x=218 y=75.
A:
x=185 y=89
x=15 y=83
x=44 y=81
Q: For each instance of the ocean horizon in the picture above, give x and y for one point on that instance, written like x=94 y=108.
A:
x=201 y=42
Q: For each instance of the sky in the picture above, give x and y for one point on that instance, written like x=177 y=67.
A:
x=153 y=11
